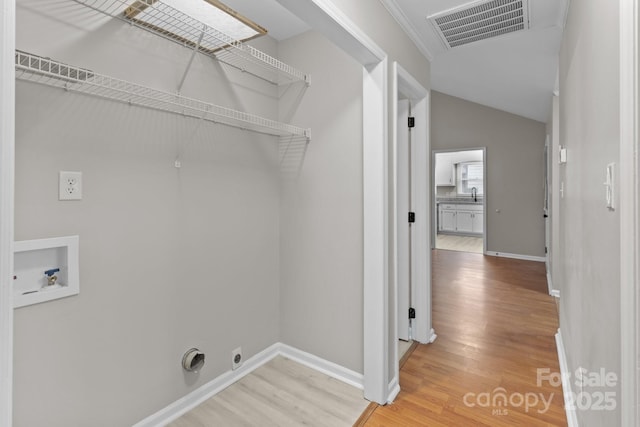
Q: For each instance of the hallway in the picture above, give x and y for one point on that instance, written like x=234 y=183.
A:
x=495 y=324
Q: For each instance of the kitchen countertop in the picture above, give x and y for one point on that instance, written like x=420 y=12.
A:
x=460 y=200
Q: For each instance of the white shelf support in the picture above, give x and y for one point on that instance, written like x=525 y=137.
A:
x=52 y=73
x=184 y=30
x=193 y=54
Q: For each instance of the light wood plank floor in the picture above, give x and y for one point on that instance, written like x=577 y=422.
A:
x=453 y=242
x=280 y=393
x=495 y=324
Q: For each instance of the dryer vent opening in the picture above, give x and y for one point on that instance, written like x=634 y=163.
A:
x=193 y=360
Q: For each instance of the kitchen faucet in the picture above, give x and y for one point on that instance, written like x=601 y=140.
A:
x=474 y=194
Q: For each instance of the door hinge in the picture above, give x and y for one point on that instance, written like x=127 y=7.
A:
x=412 y=217
x=412 y=313
x=546 y=250
x=411 y=122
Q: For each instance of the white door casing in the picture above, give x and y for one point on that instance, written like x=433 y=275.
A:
x=629 y=214
x=7 y=147
x=402 y=202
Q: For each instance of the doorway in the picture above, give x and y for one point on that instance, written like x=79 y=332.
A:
x=410 y=318
x=459 y=200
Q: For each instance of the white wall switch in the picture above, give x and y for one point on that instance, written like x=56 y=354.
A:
x=70 y=186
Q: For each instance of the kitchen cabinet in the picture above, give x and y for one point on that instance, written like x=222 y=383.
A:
x=464 y=221
x=448 y=220
x=478 y=222
x=445 y=174
x=461 y=218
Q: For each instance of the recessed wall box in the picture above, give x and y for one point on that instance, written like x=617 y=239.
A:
x=45 y=270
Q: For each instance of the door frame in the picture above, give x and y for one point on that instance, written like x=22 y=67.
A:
x=433 y=192
x=7 y=150
x=403 y=83
x=401 y=205
x=324 y=17
x=629 y=212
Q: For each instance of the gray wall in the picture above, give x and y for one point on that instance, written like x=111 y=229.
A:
x=321 y=215
x=589 y=233
x=514 y=163
x=188 y=257
x=169 y=259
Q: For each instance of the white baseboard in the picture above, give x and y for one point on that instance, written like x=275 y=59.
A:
x=572 y=420
x=517 y=256
x=321 y=365
x=196 y=397
x=210 y=389
x=393 y=390
x=432 y=336
x=555 y=293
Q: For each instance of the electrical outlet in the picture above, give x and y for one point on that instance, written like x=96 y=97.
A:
x=236 y=358
x=70 y=186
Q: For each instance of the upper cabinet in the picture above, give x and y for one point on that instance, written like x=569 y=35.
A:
x=445 y=170
x=445 y=165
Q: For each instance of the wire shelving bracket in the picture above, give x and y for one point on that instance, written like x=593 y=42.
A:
x=185 y=30
x=46 y=71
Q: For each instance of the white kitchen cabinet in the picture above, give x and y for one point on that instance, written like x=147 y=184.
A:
x=464 y=221
x=478 y=222
x=448 y=220
x=445 y=170
x=461 y=218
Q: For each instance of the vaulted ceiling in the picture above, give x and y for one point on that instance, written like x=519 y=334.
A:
x=514 y=72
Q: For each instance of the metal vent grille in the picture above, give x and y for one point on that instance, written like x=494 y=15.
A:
x=481 y=21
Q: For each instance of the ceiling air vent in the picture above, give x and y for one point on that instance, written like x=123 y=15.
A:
x=480 y=20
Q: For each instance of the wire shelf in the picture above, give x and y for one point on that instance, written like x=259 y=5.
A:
x=176 y=26
x=46 y=71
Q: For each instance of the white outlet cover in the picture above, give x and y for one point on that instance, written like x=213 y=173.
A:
x=70 y=185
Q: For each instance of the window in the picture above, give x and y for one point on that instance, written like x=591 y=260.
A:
x=470 y=175
x=180 y=20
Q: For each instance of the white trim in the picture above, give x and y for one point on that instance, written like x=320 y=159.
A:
x=421 y=253
x=326 y=18
x=555 y=293
x=7 y=164
x=208 y=390
x=376 y=233
x=405 y=24
x=572 y=419
x=323 y=16
x=319 y=364
x=393 y=390
x=403 y=83
x=185 y=404
x=549 y=280
x=432 y=336
x=517 y=256
x=629 y=210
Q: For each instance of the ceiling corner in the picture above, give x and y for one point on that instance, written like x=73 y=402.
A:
x=411 y=32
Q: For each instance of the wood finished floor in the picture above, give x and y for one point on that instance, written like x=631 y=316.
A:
x=495 y=324
x=452 y=242
x=280 y=393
